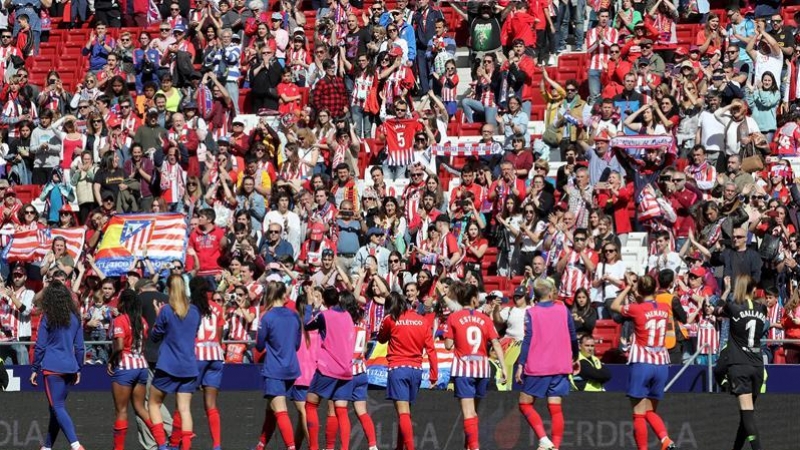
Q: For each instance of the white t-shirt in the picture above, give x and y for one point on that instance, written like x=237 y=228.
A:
x=671 y=260
x=711 y=131
x=614 y=270
x=768 y=63
x=514 y=317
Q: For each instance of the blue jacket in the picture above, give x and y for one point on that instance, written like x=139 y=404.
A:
x=176 y=354
x=59 y=350
x=98 y=55
x=279 y=333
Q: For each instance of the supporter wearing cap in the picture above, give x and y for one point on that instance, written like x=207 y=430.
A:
x=331 y=274
x=280 y=37
x=632 y=47
x=207 y=241
x=150 y=133
x=654 y=61
x=576 y=264
x=374 y=248
x=194 y=121
x=311 y=251
x=512 y=318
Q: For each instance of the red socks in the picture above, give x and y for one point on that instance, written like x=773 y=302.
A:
x=557 y=420
x=369 y=429
x=331 y=429
x=406 y=430
x=312 y=420
x=640 y=431
x=267 y=428
x=471 y=433
x=344 y=426
x=175 y=437
x=533 y=418
x=214 y=427
x=285 y=427
x=158 y=434
x=120 y=430
x=186 y=440
x=656 y=424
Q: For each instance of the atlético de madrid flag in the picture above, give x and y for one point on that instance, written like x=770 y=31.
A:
x=32 y=245
x=128 y=235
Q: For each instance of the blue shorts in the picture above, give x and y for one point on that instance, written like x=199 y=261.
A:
x=546 y=386
x=647 y=380
x=169 y=384
x=298 y=393
x=277 y=388
x=470 y=387
x=210 y=373
x=130 y=377
x=360 y=387
x=331 y=388
x=403 y=383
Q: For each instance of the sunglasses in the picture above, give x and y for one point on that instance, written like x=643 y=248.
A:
x=614 y=52
x=738 y=237
x=392 y=30
x=165 y=30
x=416 y=175
x=274 y=232
x=610 y=250
x=6 y=36
x=401 y=110
x=30 y=212
x=394 y=260
x=22 y=75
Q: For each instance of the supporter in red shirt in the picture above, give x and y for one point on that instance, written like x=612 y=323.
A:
x=508 y=184
x=711 y=38
x=614 y=71
x=615 y=198
x=518 y=26
x=208 y=242
x=683 y=200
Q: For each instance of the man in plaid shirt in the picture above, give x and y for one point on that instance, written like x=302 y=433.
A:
x=330 y=92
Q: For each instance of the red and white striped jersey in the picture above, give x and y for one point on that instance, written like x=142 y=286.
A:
x=471 y=332
x=650 y=326
x=707 y=335
x=207 y=345
x=359 y=357
x=236 y=325
x=604 y=38
x=575 y=275
x=130 y=357
x=775 y=315
x=399 y=135
x=9 y=319
x=412 y=197
x=704 y=174
x=449 y=88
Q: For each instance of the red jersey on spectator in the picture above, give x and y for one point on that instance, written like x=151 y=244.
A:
x=207 y=245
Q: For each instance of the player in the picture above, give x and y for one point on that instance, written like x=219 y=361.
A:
x=58 y=355
x=649 y=358
x=470 y=332
x=544 y=363
x=307 y=358
x=279 y=334
x=741 y=360
x=408 y=334
x=127 y=365
x=334 y=375
x=176 y=369
x=210 y=357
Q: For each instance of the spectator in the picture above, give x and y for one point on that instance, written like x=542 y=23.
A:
x=208 y=242
x=592 y=375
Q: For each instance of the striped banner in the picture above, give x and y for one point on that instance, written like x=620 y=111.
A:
x=128 y=235
x=32 y=245
x=467 y=149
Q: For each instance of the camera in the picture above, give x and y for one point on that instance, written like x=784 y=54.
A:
x=465 y=203
x=347 y=214
x=570 y=160
x=52 y=82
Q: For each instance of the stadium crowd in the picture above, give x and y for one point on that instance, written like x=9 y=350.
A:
x=258 y=129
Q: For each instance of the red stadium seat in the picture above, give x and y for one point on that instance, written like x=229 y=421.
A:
x=606 y=335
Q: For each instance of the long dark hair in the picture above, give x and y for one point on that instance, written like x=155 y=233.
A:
x=57 y=305
x=348 y=302
x=396 y=305
x=129 y=304
x=198 y=289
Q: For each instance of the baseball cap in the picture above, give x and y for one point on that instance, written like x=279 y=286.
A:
x=317 y=230
x=602 y=136
x=19 y=268
x=152 y=111
x=443 y=218
x=698 y=272
x=113 y=122
x=374 y=231
x=11 y=192
x=520 y=292
x=646 y=42
x=4 y=183
x=223 y=141
x=143 y=283
x=681 y=51
x=180 y=27
x=327 y=252
x=299 y=30
x=396 y=51
x=694 y=48
x=238 y=120
x=498 y=294
x=277 y=16
x=696 y=256
x=643 y=62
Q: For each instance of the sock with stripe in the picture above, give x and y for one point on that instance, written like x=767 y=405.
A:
x=369 y=429
x=158 y=434
x=175 y=436
x=656 y=424
x=471 y=433
x=640 y=431
x=344 y=426
x=214 y=427
x=331 y=430
x=267 y=428
x=120 y=430
x=285 y=427
x=748 y=418
x=407 y=430
x=557 y=423
x=312 y=421
x=186 y=440
x=533 y=418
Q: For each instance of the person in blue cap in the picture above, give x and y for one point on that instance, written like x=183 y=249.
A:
x=374 y=248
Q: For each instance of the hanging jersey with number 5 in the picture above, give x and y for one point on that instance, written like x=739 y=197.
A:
x=748 y=325
x=650 y=329
x=207 y=346
x=472 y=332
x=400 y=140
x=359 y=365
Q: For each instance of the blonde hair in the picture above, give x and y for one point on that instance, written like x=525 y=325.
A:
x=177 y=295
x=743 y=289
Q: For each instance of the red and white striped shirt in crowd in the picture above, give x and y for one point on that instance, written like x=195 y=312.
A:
x=298 y=55
x=774 y=315
x=13 y=109
x=256 y=290
x=691 y=307
x=237 y=327
x=130 y=357
x=130 y=124
x=7 y=52
x=361 y=87
x=449 y=88
x=598 y=44
x=9 y=319
x=173 y=182
x=650 y=326
x=704 y=174
x=471 y=332
x=487 y=94
x=207 y=345
x=359 y=355
x=575 y=275
x=707 y=336
x=412 y=197
x=374 y=318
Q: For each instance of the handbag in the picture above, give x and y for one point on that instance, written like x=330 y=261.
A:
x=551 y=136
x=749 y=155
